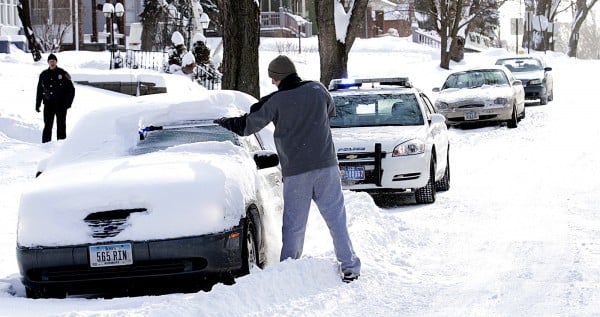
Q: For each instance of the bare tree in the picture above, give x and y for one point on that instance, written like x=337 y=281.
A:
x=333 y=51
x=588 y=46
x=53 y=32
x=452 y=19
x=24 y=14
x=582 y=9
x=50 y=21
x=241 y=36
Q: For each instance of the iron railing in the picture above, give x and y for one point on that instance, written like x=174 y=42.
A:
x=205 y=75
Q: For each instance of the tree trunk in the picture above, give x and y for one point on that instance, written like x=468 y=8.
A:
x=150 y=18
x=457 y=49
x=241 y=36
x=582 y=11
x=333 y=52
x=443 y=32
x=444 y=52
x=34 y=45
x=457 y=45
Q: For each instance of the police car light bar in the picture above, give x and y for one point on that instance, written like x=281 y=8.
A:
x=342 y=83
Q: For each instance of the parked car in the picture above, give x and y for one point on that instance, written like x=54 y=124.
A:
x=390 y=139
x=147 y=194
x=482 y=94
x=535 y=75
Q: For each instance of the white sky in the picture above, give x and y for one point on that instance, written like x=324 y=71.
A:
x=516 y=234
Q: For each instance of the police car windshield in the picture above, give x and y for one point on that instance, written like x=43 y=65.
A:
x=376 y=110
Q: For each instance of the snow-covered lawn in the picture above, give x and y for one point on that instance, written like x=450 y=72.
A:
x=517 y=234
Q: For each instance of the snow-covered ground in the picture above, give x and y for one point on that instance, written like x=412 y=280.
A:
x=517 y=234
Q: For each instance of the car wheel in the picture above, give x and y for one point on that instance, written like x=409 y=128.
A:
x=250 y=251
x=426 y=195
x=444 y=183
x=522 y=116
x=551 y=95
x=514 y=120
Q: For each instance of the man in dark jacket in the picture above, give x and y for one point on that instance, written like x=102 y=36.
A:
x=300 y=111
x=56 y=89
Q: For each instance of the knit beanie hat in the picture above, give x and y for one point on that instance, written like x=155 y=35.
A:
x=52 y=56
x=281 y=67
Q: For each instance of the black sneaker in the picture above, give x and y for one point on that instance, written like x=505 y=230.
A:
x=349 y=277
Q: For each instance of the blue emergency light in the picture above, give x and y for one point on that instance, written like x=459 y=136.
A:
x=345 y=83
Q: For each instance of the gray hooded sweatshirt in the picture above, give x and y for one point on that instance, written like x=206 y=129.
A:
x=300 y=111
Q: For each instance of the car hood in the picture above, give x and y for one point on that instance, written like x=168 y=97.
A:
x=362 y=139
x=183 y=191
x=481 y=94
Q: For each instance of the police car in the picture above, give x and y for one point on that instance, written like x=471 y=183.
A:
x=390 y=139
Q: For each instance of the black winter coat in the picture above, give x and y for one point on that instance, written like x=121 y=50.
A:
x=55 y=87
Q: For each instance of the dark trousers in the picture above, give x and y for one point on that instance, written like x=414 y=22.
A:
x=51 y=111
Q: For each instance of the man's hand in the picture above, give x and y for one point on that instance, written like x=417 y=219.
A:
x=221 y=121
x=234 y=124
x=37 y=108
x=224 y=122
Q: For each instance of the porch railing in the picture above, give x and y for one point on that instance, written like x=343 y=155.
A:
x=283 y=19
x=474 y=42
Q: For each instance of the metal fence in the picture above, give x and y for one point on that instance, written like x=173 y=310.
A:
x=145 y=60
x=205 y=75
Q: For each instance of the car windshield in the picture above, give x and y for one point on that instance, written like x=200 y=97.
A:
x=376 y=110
x=476 y=78
x=156 y=138
x=521 y=65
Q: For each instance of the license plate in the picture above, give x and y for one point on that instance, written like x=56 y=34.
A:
x=471 y=115
x=111 y=255
x=352 y=173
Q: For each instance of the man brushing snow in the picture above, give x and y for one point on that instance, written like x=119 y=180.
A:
x=300 y=111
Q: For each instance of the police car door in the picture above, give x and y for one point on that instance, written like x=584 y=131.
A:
x=438 y=132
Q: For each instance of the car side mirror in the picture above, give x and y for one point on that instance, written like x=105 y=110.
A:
x=547 y=69
x=436 y=89
x=437 y=118
x=517 y=83
x=266 y=159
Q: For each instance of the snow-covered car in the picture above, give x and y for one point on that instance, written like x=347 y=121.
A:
x=149 y=193
x=535 y=75
x=389 y=139
x=482 y=94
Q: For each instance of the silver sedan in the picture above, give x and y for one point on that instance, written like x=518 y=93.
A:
x=482 y=94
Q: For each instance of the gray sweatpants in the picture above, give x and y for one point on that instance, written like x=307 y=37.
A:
x=324 y=187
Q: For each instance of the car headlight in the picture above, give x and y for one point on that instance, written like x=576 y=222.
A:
x=411 y=147
x=441 y=105
x=501 y=101
x=535 y=82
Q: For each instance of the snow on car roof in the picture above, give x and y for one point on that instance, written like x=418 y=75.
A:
x=111 y=131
